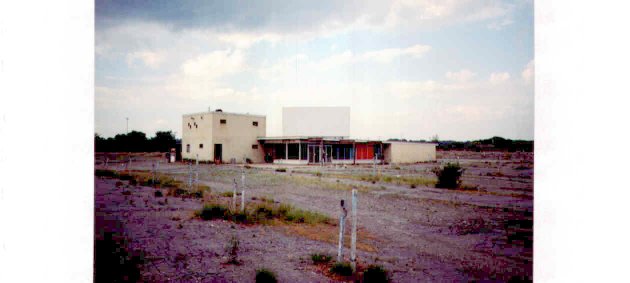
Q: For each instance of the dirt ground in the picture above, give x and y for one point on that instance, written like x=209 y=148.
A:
x=415 y=231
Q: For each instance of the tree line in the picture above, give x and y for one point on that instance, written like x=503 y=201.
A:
x=136 y=141
x=493 y=143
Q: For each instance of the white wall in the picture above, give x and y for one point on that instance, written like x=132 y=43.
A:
x=409 y=152
x=316 y=121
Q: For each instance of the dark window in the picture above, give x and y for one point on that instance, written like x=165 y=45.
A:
x=200 y=145
x=294 y=150
x=255 y=123
x=223 y=121
x=254 y=146
x=187 y=148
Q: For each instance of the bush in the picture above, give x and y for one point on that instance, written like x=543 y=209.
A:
x=212 y=211
x=227 y=194
x=281 y=170
x=448 y=176
x=105 y=173
x=233 y=250
x=375 y=273
x=265 y=276
x=320 y=258
x=158 y=194
x=342 y=268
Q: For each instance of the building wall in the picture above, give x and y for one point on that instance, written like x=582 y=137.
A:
x=236 y=136
x=193 y=136
x=408 y=152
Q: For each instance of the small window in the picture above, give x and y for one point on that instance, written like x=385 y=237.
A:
x=200 y=145
x=188 y=148
x=254 y=146
x=255 y=123
x=223 y=121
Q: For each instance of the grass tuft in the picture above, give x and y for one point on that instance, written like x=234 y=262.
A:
x=342 y=268
x=320 y=258
x=375 y=274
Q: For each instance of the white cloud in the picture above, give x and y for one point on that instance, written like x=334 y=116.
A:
x=387 y=55
x=214 y=64
x=528 y=72
x=461 y=76
x=148 y=58
x=497 y=78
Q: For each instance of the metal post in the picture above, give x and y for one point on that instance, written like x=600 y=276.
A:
x=243 y=192
x=234 y=195
x=342 y=219
x=353 y=243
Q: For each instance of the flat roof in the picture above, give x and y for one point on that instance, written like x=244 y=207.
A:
x=336 y=139
x=225 y=113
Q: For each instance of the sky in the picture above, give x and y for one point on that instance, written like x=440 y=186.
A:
x=461 y=70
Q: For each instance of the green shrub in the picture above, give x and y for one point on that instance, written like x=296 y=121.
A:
x=341 y=268
x=448 y=176
x=320 y=258
x=375 y=274
x=212 y=211
x=265 y=276
x=281 y=170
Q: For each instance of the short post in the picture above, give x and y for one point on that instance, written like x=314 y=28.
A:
x=234 y=195
x=342 y=219
x=152 y=173
x=189 y=175
x=243 y=192
x=374 y=166
x=353 y=243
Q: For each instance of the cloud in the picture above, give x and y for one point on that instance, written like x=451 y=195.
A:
x=497 y=78
x=148 y=58
x=387 y=55
x=214 y=64
x=528 y=72
x=461 y=76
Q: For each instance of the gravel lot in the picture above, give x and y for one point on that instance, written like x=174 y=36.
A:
x=417 y=234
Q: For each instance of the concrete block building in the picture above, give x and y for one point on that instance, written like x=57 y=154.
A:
x=222 y=137
x=320 y=135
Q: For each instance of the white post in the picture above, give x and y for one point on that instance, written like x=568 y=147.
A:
x=243 y=192
x=234 y=195
x=353 y=243
x=342 y=219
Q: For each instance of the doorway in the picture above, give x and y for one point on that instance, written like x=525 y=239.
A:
x=218 y=153
x=313 y=153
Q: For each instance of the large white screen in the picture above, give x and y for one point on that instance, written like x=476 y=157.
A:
x=316 y=121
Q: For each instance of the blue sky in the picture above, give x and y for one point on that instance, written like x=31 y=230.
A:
x=409 y=69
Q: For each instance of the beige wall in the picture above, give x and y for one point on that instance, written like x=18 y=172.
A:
x=236 y=136
x=409 y=152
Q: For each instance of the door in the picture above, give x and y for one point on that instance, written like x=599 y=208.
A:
x=218 y=153
x=313 y=153
x=328 y=153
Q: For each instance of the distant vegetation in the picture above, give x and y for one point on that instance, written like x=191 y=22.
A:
x=448 y=176
x=493 y=143
x=136 y=141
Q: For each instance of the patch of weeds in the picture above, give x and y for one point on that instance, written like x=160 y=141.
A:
x=105 y=173
x=227 y=194
x=158 y=194
x=126 y=193
x=375 y=274
x=281 y=170
x=125 y=176
x=119 y=184
x=397 y=167
x=320 y=258
x=265 y=276
x=212 y=211
x=179 y=192
x=113 y=260
x=247 y=167
x=318 y=174
x=341 y=268
x=466 y=187
x=413 y=186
